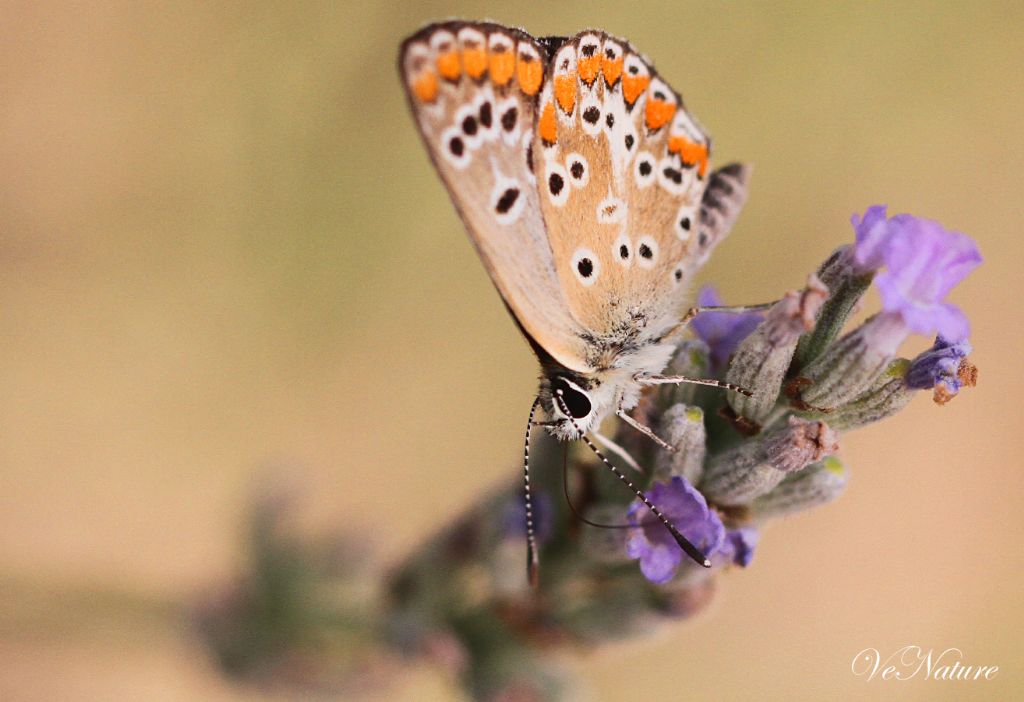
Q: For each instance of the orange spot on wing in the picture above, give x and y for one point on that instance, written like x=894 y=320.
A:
x=588 y=68
x=634 y=86
x=474 y=60
x=690 y=153
x=503 y=65
x=530 y=73
x=425 y=87
x=612 y=69
x=548 y=126
x=448 y=65
x=565 y=92
x=658 y=113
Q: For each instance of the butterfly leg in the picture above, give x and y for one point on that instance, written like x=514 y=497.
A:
x=644 y=429
x=618 y=451
x=645 y=379
x=728 y=309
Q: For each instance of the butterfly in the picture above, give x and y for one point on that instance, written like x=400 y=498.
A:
x=584 y=184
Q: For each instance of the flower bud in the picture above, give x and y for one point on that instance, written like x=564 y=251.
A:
x=816 y=485
x=886 y=396
x=944 y=369
x=851 y=365
x=756 y=466
x=847 y=283
x=682 y=426
x=762 y=359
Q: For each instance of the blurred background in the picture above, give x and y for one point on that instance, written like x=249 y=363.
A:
x=225 y=262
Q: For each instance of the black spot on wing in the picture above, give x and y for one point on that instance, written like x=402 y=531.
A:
x=507 y=200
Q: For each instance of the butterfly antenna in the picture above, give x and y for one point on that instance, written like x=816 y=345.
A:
x=568 y=498
x=690 y=550
x=532 y=562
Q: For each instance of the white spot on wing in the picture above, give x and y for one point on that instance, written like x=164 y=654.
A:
x=572 y=163
x=466 y=115
x=644 y=169
x=647 y=245
x=553 y=171
x=471 y=38
x=505 y=190
x=442 y=41
x=590 y=102
x=486 y=96
x=458 y=161
x=611 y=210
x=500 y=41
x=671 y=177
x=684 y=125
x=510 y=137
x=685 y=222
x=617 y=251
x=580 y=256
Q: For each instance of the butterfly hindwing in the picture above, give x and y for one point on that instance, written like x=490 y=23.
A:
x=473 y=90
x=621 y=171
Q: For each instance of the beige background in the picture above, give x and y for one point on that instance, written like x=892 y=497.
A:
x=223 y=252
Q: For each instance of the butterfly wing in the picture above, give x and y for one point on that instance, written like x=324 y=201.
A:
x=622 y=171
x=472 y=88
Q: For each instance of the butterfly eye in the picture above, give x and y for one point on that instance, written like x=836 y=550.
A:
x=575 y=399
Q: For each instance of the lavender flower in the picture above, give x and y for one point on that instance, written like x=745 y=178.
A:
x=648 y=540
x=943 y=367
x=721 y=331
x=872 y=234
x=739 y=545
x=923 y=261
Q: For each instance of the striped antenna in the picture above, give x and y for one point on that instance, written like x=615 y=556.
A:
x=532 y=562
x=690 y=550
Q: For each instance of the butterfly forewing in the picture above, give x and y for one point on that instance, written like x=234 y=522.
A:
x=473 y=89
x=621 y=168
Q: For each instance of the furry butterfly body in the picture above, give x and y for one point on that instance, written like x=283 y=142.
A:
x=585 y=186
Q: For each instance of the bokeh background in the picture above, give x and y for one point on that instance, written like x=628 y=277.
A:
x=225 y=260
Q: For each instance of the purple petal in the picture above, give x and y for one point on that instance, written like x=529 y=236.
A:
x=660 y=564
x=649 y=540
x=871 y=233
x=923 y=262
x=722 y=331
